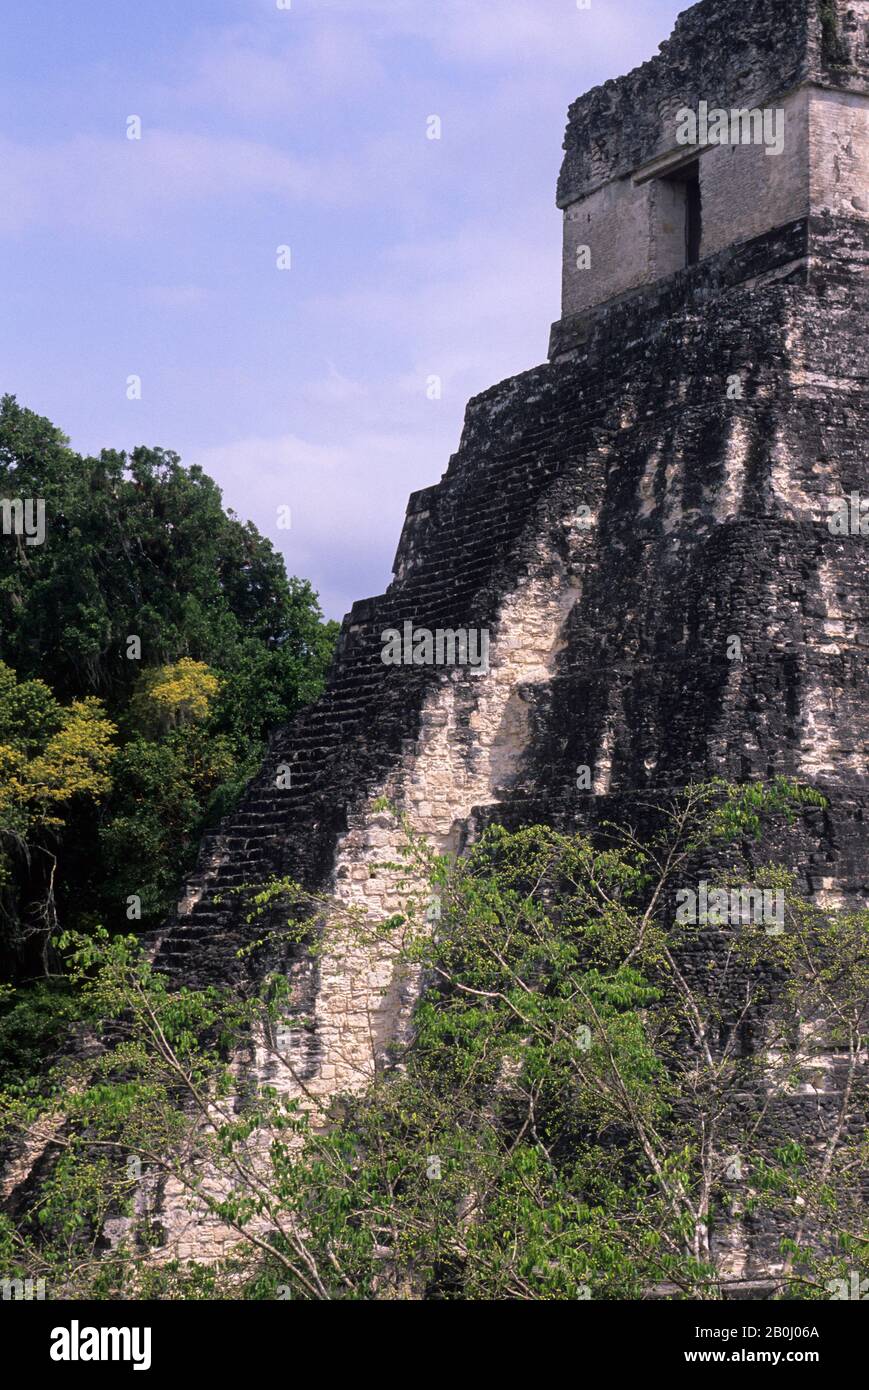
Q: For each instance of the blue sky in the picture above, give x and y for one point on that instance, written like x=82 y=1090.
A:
x=264 y=127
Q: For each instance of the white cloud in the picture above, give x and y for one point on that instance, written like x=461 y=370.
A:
x=334 y=389
x=347 y=502
x=467 y=307
x=516 y=33
x=479 y=311
x=262 y=70
x=120 y=185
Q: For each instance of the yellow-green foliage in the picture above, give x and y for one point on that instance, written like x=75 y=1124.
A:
x=66 y=753
x=48 y=755
x=170 y=696
x=75 y=761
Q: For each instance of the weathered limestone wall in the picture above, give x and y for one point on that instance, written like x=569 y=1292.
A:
x=721 y=51
x=615 y=223
x=473 y=734
x=621 y=141
x=839 y=152
x=746 y=192
x=634 y=227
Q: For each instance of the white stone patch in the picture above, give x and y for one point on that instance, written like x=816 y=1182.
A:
x=672 y=508
x=728 y=499
x=829 y=896
x=825 y=751
x=472 y=738
x=787 y=492
x=603 y=766
x=646 y=485
x=838 y=626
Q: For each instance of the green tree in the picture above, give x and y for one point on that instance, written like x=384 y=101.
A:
x=161 y=801
x=138 y=546
x=52 y=760
x=563 y=1124
x=150 y=597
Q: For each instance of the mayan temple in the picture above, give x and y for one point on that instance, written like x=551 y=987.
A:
x=613 y=519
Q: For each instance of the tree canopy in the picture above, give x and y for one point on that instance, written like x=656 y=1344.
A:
x=573 y=1117
x=146 y=647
